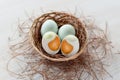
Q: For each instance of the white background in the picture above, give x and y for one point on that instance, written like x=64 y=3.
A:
x=101 y=10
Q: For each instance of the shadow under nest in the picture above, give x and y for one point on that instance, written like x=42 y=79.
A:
x=90 y=65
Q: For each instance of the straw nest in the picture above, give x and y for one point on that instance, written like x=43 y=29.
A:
x=60 y=18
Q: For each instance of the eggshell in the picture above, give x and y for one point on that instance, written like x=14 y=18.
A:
x=65 y=30
x=51 y=43
x=49 y=25
x=70 y=45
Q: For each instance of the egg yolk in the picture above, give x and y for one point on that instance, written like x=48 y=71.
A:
x=66 y=47
x=54 y=44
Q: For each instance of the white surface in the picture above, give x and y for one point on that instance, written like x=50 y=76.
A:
x=102 y=10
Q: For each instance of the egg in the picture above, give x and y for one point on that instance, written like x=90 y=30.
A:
x=70 y=45
x=51 y=43
x=65 y=30
x=49 y=25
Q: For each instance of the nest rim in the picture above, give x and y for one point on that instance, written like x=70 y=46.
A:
x=32 y=40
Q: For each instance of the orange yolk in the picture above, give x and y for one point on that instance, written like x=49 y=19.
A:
x=54 y=44
x=66 y=47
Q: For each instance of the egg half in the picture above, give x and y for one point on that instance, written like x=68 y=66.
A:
x=51 y=43
x=65 y=30
x=70 y=45
x=49 y=25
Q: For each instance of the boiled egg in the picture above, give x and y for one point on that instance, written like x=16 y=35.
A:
x=49 y=25
x=70 y=45
x=51 y=43
x=65 y=30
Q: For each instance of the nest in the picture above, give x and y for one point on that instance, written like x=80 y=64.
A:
x=88 y=64
x=61 y=19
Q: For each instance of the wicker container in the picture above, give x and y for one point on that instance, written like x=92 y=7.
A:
x=60 y=18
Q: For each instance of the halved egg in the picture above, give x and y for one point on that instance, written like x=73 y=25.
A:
x=51 y=43
x=70 y=45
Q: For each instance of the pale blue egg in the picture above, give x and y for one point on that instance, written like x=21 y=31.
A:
x=49 y=25
x=65 y=30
